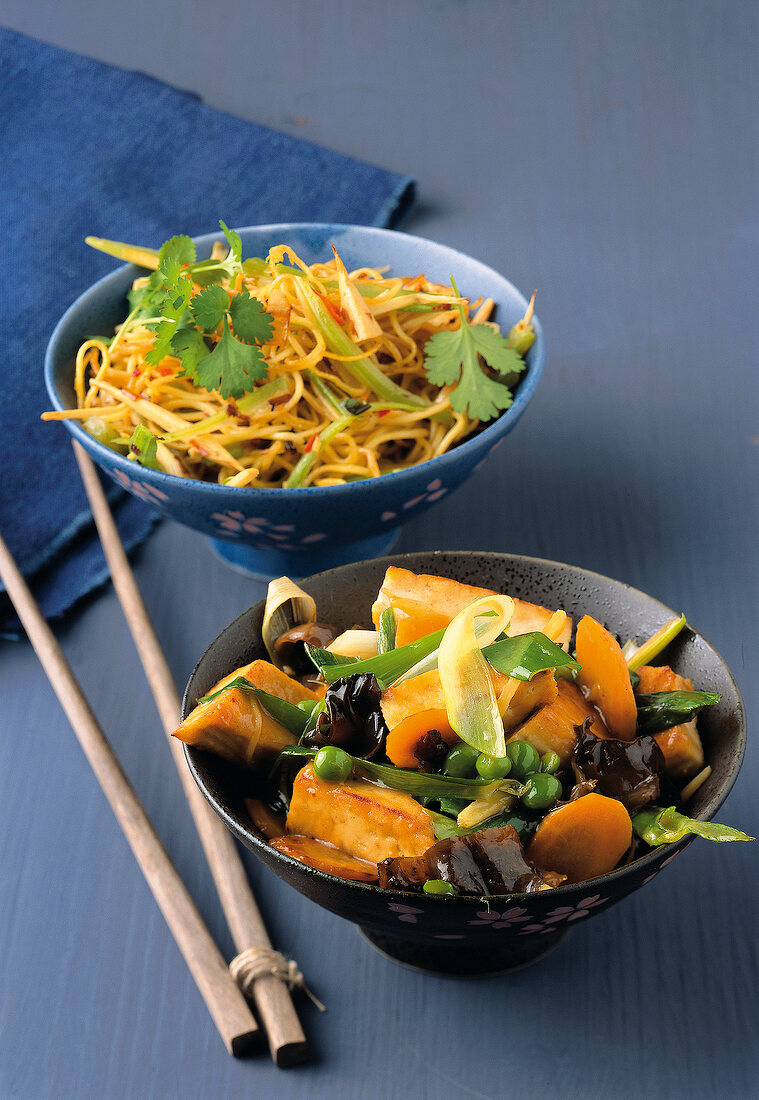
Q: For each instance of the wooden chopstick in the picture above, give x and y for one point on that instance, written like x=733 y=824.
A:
x=287 y=1041
x=229 y=1009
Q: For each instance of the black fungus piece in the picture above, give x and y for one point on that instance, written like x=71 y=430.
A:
x=629 y=771
x=353 y=719
x=487 y=862
x=290 y=647
x=431 y=751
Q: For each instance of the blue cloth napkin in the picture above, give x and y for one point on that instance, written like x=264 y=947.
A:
x=90 y=149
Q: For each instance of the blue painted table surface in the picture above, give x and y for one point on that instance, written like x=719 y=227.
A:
x=607 y=154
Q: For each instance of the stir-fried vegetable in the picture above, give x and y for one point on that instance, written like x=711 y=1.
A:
x=463 y=761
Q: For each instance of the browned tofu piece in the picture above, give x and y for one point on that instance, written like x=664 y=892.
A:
x=333 y=861
x=235 y=725
x=267 y=677
x=552 y=727
x=362 y=819
x=425 y=693
x=541 y=690
x=411 y=594
x=681 y=745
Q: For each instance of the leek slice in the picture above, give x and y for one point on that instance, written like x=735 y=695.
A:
x=286 y=606
x=359 y=645
x=466 y=678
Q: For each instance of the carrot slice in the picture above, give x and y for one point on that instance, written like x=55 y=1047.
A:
x=582 y=839
x=403 y=739
x=606 y=678
x=410 y=628
x=333 y=861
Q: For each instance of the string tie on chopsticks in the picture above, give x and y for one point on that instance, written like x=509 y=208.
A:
x=263 y=962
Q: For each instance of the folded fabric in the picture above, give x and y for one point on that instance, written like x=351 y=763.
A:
x=90 y=149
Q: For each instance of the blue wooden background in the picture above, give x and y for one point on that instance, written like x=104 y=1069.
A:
x=605 y=152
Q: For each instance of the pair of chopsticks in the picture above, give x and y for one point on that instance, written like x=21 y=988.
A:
x=224 y=999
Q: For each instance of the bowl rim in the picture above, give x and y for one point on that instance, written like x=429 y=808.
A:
x=399 y=478
x=656 y=855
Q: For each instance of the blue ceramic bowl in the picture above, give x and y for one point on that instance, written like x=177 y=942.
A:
x=468 y=935
x=270 y=532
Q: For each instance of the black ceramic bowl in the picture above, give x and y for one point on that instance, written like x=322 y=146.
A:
x=468 y=935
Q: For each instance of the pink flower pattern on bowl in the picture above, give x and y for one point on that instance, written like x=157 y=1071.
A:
x=407 y=913
x=563 y=915
x=434 y=491
x=515 y=915
x=141 y=489
x=236 y=524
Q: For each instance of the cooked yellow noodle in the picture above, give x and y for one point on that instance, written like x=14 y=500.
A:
x=260 y=447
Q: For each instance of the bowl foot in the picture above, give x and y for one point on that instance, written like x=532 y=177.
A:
x=458 y=960
x=295 y=564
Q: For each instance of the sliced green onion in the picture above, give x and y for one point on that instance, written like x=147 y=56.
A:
x=527 y=654
x=359 y=367
x=418 y=784
x=660 y=710
x=656 y=826
x=287 y=714
x=271 y=390
x=644 y=654
x=306 y=461
x=386 y=632
x=387 y=667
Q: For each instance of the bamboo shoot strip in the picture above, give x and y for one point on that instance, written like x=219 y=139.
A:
x=225 y=1002
x=286 y=1039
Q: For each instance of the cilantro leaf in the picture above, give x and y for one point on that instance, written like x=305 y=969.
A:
x=453 y=358
x=189 y=346
x=143 y=298
x=232 y=368
x=175 y=252
x=234 y=241
x=209 y=306
x=250 y=321
x=162 y=346
x=144 y=446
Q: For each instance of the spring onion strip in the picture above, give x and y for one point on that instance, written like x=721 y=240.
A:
x=466 y=677
x=386 y=639
x=666 y=826
x=359 y=367
x=387 y=667
x=287 y=714
x=645 y=653
x=660 y=710
x=268 y=392
x=524 y=655
x=418 y=784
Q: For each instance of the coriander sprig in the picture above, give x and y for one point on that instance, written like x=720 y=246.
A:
x=453 y=358
x=217 y=336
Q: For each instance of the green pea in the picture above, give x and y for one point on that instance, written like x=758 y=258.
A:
x=542 y=791
x=307 y=705
x=524 y=758
x=332 y=764
x=438 y=886
x=461 y=762
x=550 y=762
x=492 y=767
